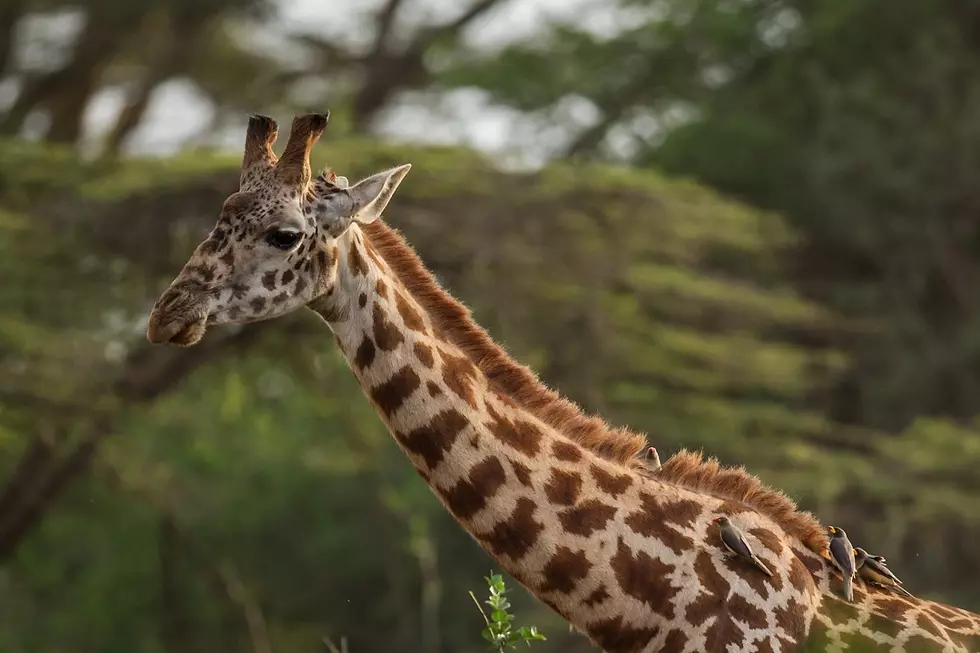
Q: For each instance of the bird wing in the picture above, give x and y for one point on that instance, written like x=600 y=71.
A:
x=735 y=542
x=843 y=554
x=879 y=569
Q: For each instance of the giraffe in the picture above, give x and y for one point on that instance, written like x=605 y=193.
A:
x=562 y=501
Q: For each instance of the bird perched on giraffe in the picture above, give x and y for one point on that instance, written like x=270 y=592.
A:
x=874 y=570
x=734 y=541
x=653 y=459
x=842 y=557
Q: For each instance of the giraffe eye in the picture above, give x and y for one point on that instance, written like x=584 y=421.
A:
x=281 y=239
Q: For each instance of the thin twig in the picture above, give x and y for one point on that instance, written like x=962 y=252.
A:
x=254 y=618
x=479 y=607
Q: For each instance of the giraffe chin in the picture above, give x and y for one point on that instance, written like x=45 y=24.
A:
x=190 y=334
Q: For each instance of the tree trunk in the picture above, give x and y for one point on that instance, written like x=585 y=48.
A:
x=170 y=63
x=66 y=92
x=11 y=12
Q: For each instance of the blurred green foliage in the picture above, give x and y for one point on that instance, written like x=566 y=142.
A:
x=654 y=302
x=762 y=242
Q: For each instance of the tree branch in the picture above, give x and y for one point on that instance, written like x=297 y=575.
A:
x=387 y=73
x=385 y=21
x=455 y=26
x=147 y=374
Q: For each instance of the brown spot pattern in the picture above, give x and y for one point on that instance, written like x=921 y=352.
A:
x=752 y=576
x=390 y=395
x=926 y=623
x=423 y=352
x=436 y=438
x=515 y=536
x=768 y=539
x=676 y=641
x=914 y=644
x=373 y=254
x=356 y=262
x=597 y=596
x=857 y=641
x=586 y=518
x=386 y=334
x=716 y=591
x=564 y=570
x=798 y=575
x=365 y=353
x=747 y=613
x=644 y=578
x=681 y=512
x=893 y=608
x=614 y=636
x=362 y=300
x=381 y=288
x=269 y=280
x=648 y=521
x=885 y=626
x=566 y=451
x=764 y=646
x=457 y=374
x=522 y=472
x=521 y=436
x=612 y=484
x=469 y=496
x=813 y=565
x=563 y=487
x=434 y=390
x=410 y=316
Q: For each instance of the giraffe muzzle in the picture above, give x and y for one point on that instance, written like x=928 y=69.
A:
x=177 y=318
x=179 y=333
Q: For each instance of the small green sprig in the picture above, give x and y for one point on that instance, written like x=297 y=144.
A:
x=499 y=632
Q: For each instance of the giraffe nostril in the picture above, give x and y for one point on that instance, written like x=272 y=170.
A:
x=167 y=301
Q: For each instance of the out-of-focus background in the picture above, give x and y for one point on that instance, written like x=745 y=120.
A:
x=747 y=226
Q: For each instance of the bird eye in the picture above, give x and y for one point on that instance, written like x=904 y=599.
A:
x=281 y=239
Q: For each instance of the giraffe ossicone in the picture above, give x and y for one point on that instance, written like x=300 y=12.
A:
x=565 y=503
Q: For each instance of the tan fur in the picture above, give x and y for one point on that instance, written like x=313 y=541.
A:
x=293 y=166
x=505 y=374
x=689 y=469
x=262 y=133
x=686 y=469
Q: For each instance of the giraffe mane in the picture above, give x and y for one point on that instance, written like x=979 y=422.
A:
x=691 y=470
x=687 y=469
x=455 y=323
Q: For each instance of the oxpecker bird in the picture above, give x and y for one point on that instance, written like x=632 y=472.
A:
x=653 y=459
x=842 y=557
x=735 y=542
x=872 y=569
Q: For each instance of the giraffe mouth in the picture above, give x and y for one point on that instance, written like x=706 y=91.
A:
x=176 y=332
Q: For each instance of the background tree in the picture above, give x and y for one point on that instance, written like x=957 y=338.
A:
x=815 y=324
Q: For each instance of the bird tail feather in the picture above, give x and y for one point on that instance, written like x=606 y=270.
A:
x=762 y=565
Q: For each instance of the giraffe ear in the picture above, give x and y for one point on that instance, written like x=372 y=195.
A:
x=372 y=194
x=363 y=202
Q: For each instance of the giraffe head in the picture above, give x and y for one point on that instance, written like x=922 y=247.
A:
x=274 y=246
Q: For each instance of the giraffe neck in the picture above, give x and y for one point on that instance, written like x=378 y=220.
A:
x=486 y=459
x=624 y=557
x=879 y=619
